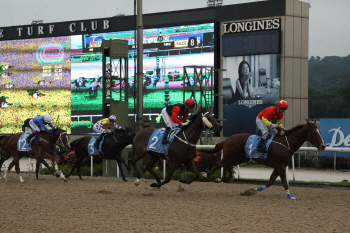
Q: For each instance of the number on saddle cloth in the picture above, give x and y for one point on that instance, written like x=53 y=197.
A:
x=92 y=150
x=251 y=147
x=22 y=144
x=154 y=143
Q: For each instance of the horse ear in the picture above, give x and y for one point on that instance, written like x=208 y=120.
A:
x=315 y=121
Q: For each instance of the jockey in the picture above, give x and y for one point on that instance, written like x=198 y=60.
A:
x=171 y=113
x=35 y=125
x=263 y=121
x=102 y=127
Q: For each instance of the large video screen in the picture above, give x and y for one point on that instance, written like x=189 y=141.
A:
x=35 y=80
x=60 y=76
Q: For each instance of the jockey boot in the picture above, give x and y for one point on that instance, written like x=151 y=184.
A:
x=262 y=145
x=165 y=135
x=29 y=138
x=98 y=140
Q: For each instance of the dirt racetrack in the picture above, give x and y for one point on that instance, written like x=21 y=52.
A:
x=106 y=204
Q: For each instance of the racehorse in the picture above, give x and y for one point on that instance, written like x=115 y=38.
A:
x=279 y=152
x=113 y=144
x=42 y=147
x=5 y=155
x=181 y=151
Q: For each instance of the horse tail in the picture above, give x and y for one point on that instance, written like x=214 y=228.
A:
x=217 y=148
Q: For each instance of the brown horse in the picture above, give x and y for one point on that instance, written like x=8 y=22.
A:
x=43 y=147
x=279 y=152
x=5 y=155
x=181 y=151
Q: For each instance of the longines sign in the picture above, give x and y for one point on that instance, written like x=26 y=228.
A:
x=64 y=28
x=251 y=26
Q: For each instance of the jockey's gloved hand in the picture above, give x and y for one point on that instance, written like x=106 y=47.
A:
x=274 y=126
x=186 y=123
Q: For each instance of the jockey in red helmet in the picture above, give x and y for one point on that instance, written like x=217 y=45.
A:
x=170 y=114
x=263 y=122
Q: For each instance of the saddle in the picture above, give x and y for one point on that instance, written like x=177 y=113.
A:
x=154 y=143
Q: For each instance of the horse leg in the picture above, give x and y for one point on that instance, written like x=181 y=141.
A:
x=190 y=165
x=120 y=161
x=15 y=162
x=223 y=178
x=134 y=160
x=172 y=168
x=273 y=177
x=78 y=171
x=73 y=167
x=218 y=165
x=10 y=166
x=53 y=158
x=2 y=160
x=282 y=172
x=38 y=165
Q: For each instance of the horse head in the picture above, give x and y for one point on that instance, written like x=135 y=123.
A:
x=125 y=135
x=62 y=138
x=209 y=121
x=314 y=136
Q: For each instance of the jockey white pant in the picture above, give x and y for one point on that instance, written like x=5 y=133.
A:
x=100 y=130
x=33 y=127
x=265 y=130
x=167 y=119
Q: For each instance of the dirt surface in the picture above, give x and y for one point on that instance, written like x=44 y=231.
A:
x=106 y=204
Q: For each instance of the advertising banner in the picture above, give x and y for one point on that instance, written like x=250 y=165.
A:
x=250 y=84
x=335 y=133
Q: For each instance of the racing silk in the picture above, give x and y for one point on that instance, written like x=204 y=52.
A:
x=39 y=121
x=104 y=124
x=177 y=110
x=270 y=114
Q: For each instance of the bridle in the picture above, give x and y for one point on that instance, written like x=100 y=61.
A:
x=204 y=126
x=59 y=141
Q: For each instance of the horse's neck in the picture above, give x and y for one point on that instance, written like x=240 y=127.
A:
x=297 y=138
x=193 y=132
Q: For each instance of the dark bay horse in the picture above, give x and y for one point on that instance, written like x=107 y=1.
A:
x=43 y=147
x=279 y=152
x=181 y=151
x=113 y=144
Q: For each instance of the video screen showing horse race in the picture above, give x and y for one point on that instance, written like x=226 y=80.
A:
x=61 y=77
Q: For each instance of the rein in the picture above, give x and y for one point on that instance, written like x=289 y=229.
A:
x=183 y=132
x=288 y=148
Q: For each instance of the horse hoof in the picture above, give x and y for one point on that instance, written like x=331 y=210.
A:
x=217 y=180
x=155 y=185
x=65 y=180
x=183 y=181
x=125 y=180
x=204 y=174
x=137 y=182
x=293 y=198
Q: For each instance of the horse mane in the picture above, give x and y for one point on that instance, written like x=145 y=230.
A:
x=193 y=117
x=297 y=127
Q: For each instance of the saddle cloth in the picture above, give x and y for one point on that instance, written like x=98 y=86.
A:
x=155 y=144
x=22 y=145
x=92 y=150
x=251 y=147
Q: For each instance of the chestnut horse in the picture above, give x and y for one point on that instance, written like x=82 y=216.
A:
x=5 y=155
x=113 y=144
x=181 y=151
x=279 y=152
x=43 y=147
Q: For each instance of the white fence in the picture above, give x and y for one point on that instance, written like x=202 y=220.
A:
x=29 y=164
